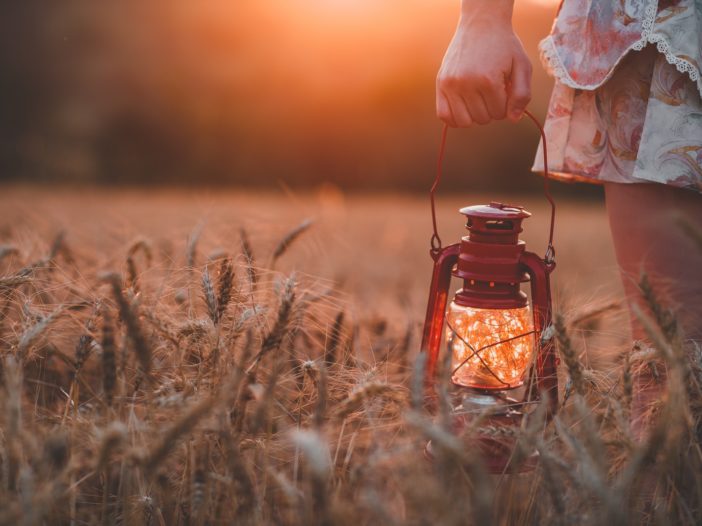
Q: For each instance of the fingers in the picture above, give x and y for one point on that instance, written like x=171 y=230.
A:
x=451 y=108
x=443 y=108
x=477 y=109
x=494 y=96
x=463 y=102
x=519 y=89
x=461 y=113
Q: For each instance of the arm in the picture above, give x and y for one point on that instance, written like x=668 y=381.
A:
x=485 y=73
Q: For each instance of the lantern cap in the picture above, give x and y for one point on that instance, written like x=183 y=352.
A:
x=495 y=210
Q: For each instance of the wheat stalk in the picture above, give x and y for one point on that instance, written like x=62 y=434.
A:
x=570 y=355
x=109 y=360
x=191 y=248
x=198 y=488
x=288 y=239
x=248 y=253
x=32 y=334
x=112 y=437
x=10 y=282
x=141 y=245
x=318 y=461
x=181 y=427
x=366 y=392
x=225 y=288
x=187 y=422
x=131 y=319
x=275 y=336
x=334 y=339
x=247 y=498
x=208 y=294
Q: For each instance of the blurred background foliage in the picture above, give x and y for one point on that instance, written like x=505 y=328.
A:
x=249 y=93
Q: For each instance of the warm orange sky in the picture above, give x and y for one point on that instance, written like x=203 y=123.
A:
x=300 y=90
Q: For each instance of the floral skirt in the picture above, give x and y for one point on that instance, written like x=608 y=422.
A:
x=643 y=125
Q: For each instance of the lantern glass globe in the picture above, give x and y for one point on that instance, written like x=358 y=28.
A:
x=490 y=348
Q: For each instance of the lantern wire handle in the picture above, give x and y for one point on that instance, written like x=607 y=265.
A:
x=550 y=251
x=436 y=240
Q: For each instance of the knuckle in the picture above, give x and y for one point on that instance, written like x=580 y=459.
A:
x=484 y=81
x=448 y=81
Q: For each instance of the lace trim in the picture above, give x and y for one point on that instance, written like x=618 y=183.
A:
x=663 y=46
x=550 y=59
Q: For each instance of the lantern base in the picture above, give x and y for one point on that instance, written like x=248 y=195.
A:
x=496 y=464
x=496 y=418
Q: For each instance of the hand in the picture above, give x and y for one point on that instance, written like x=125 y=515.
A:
x=485 y=73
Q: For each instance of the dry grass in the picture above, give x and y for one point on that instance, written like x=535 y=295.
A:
x=154 y=373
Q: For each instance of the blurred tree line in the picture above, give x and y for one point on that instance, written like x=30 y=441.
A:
x=250 y=93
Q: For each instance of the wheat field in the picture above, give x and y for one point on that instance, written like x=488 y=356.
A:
x=191 y=358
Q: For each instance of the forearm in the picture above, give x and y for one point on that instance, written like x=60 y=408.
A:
x=492 y=12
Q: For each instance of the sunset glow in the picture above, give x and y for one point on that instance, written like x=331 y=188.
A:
x=333 y=90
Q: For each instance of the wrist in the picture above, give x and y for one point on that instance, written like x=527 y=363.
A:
x=487 y=12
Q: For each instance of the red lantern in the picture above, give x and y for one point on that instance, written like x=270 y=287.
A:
x=495 y=338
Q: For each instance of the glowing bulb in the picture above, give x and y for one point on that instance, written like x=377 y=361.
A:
x=491 y=348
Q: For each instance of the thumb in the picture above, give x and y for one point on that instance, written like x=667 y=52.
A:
x=519 y=90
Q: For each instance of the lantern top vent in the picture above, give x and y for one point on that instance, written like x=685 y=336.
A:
x=496 y=223
x=495 y=210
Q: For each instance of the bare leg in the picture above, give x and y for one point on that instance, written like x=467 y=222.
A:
x=644 y=220
x=645 y=224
